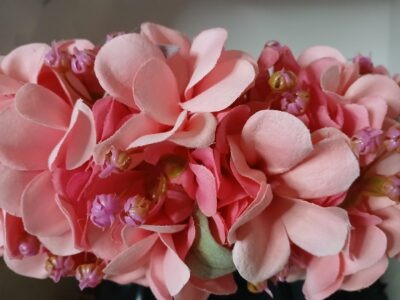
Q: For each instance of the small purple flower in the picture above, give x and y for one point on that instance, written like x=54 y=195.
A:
x=104 y=209
x=82 y=61
x=367 y=140
x=115 y=162
x=59 y=266
x=364 y=63
x=89 y=275
x=392 y=138
x=136 y=210
x=57 y=58
x=294 y=103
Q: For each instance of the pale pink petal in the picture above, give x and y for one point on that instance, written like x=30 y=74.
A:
x=324 y=277
x=161 y=136
x=365 y=278
x=31 y=100
x=355 y=118
x=135 y=127
x=206 y=50
x=63 y=244
x=224 y=285
x=156 y=275
x=330 y=169
x=389 y=165
x=199 y=132
x=136 y=276
x=155 y=91
x=118 y=61
x=377 y=86
x=367 y=246
x=127 y=260
x=8 y=85
x=12 y=184
x=206 y=194
x=24 y=63
x=161 y=35
x=391 y=227
x=319 y=230
x=78 y=143
x=164 y=228
x=260 y=254
x=39 y=200
x=222 y=86
x=317 y=52
x=176 y=273
x=105 y=244
x=189 y=291
x=377 y=110
x=33 y=266
x=277 y=138
x=25 y=145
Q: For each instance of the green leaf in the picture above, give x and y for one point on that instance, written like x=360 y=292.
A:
x=207 y=259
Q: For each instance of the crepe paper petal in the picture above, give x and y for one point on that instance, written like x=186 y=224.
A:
x=61 y=244
x=207 y=259
x=320 y=231
x=118 y=61
x=157 y=95
x=199 y=131
x=355 y=118
x=206 y=49
x=12 y=184
x=137 y=126
x=190 y=291
x=8 y=85
x=330 y=169
x=161 y=35
x=260 y=254
x=78 y=143
x=262 y=200
x=367 y=247
x=31 y=100
x=391 y=227
x=324 y=277
x=156 y=275
x=173 y=264
x=31 y=266
x=388 y=166
x=127 y=260
x=379 y=86
x=24 y=63
x=326 y=71
x=377 y=110
x=222 y=86
x=312 y=54
x=164 y=228
x=366 y=277
x=224 y=285
x=25 y=145
x=13 y=234
x=278 y=138
x=206 y=194
x=72 y=87
x=38 y=200
x=160 y=136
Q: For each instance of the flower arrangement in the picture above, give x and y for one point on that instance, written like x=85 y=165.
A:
x=172 y=163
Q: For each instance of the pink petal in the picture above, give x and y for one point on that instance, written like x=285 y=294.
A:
x=33 y=266
x=224 y=285
x=377 y=110
x=199 y=132
x=222 y=86
x=105 y=244
x=25 y=145
x=389 y=165
x=324 y=277
x=127 y=260
x=278 y=138
x=12 y=184
x=189 y=291
x=206 y=194
x=320 y=231
x=161 y=35
x=176 y=273
x=330 y=169
x=39 y=200
x=118 y=61
x=367 y=246
x=366 y=277
x=206 y=50
x=24 y=63
x=137 y=126
x=391 y=227
x=260 y=254
x=156 y=92
x=355 y=118
x=156 y=275
x=61 y=244
x=317 y=52
x=78 y=143
x=164 y=228
x=30 y=101
x=8 y=85
x=378 y=86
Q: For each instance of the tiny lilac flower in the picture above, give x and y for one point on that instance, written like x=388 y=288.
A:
x=59 y=266
x=136 y=210
x=104 y=209
x=82 y=61
x=367 y=140
x=392 y=138
x=89 y=275
x=294 y=103
x=56 y=58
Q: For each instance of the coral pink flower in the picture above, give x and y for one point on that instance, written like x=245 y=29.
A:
x=193 y=81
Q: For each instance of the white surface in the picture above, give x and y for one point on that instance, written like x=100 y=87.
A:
x=359 y=26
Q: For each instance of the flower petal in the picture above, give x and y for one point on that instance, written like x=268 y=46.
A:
x=222 y=86
x=118 y=61
x=156 y=92
x=78 y=143
x=279 y=139
x=317 y=52
x=31 y=100
x=32 y=266
x=320 y=231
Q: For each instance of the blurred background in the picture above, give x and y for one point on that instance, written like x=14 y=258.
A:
x=367 y=27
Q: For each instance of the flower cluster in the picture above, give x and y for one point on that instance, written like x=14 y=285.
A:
x=173 y=163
